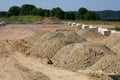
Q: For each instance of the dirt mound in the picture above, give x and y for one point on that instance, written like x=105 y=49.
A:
x=109 y=64
x=90 y=34
x=113 y=41
x=64 y=31
x=116 y=49
x=33 y=38
x=80 y=55
x=47 y=36
x=51 y=35
x=49 y=48
x=75 y=37
x=51 y=19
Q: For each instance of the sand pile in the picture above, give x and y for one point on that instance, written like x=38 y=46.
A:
x=33 y=38
x=116 y=49
x=64 y=31
x=75 y=37
x=52 y=35
x=45 y=37
x=109 y=64
x=113 y=41
x=80 y=55
x=49 y=44
x=49 y=48
x=90 y=34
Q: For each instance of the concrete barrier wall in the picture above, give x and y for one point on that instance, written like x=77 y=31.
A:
x=2 y=24
x=85 y=26
x=78 y=25
x=73 y=24
x=107 y=33
x=69 y=23
x=103 y=31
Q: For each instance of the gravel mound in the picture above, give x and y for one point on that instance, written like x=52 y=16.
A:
x=90 y=34
x=49 y=48
x=109 y=64
x=80 y=55
x=113 y=41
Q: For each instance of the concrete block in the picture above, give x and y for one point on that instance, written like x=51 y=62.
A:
x=79 y=26
x=73 y=24
x=85 y=26
x=69 y=23
x=107 y=33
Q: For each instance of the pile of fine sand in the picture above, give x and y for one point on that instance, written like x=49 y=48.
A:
x=91 y=35
x=109 y=64
x=113 y=41
x=80 y=55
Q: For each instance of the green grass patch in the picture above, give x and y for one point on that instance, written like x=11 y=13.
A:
x=27 y=18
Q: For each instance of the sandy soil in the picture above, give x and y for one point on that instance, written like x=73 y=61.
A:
x=15 y=40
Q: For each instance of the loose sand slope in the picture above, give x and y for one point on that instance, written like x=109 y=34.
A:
x=25 y=48
x=113 y=41
x=80 y=55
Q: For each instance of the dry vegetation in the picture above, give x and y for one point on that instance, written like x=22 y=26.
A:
x=57 y=52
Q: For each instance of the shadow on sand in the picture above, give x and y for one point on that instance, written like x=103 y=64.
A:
x=115 y=77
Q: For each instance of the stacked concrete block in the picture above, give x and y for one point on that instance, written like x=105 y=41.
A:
x=79 y=26
x=66 y=23
x=69 y=23
x=85 y=26
x=73 y=24
x=2 y=24
x=93 y=28
x=104 y=31
x=107 y=33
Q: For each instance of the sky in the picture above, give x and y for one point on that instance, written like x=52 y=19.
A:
x=66 y=5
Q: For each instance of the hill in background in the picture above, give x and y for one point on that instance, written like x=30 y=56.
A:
x=108 y=14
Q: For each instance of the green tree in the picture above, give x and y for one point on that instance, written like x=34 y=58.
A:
x=26 y=9
x=119 y=18
x=14 y=11
x=34 y=11
x=46 y=12
x=81 y=13
x=57 y=12
x=41 y=12
x=90 y=15
x=69 y=16
x=3 y=14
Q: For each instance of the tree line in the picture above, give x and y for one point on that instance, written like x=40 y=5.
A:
x=28 y=9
